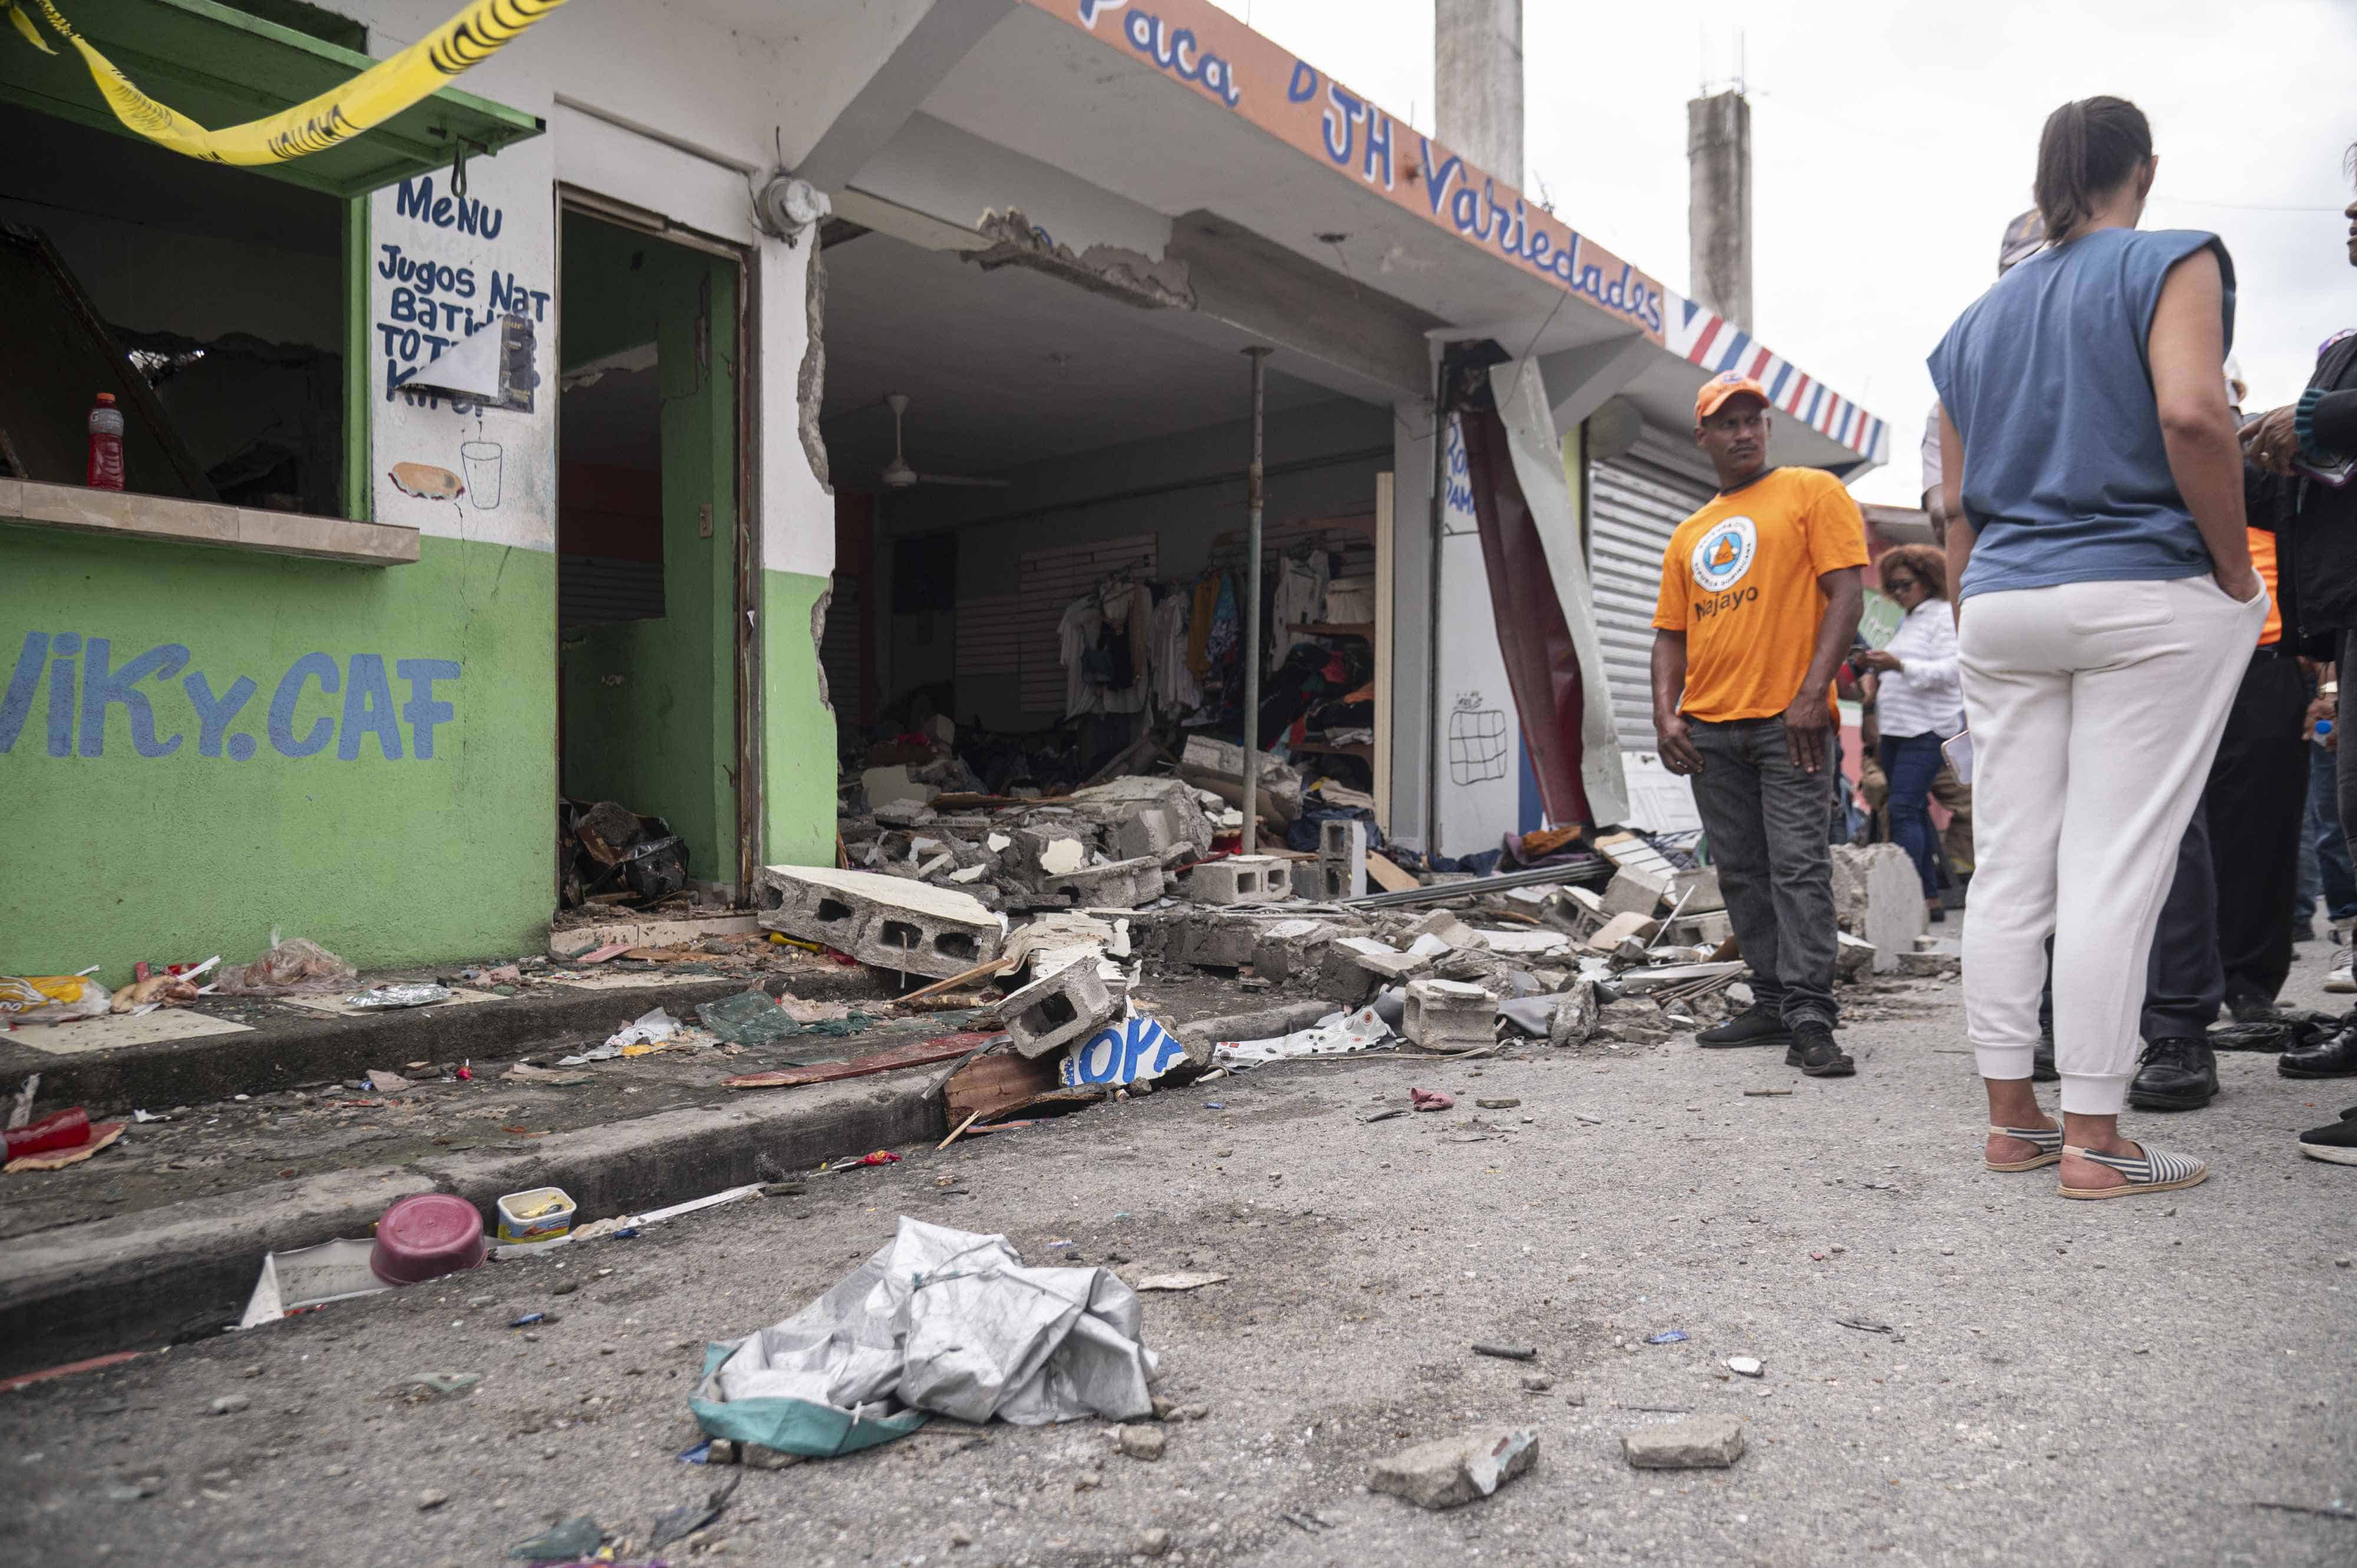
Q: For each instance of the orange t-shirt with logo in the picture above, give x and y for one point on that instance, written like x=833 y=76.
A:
x=2263 y=562
x=1741 y=580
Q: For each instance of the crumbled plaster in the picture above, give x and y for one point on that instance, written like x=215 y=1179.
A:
x=1114 y=271
x=810 y=381
x=818 y=638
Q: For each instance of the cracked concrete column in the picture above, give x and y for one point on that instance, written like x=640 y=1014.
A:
x=1478 y=78
x=1718 y=204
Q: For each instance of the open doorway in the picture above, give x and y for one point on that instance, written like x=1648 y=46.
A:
x=648 y=569
x=1042 y=507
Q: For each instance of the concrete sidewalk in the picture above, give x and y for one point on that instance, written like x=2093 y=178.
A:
x=2065 y=1383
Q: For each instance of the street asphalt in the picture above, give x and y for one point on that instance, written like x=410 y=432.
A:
x=2061 y=1384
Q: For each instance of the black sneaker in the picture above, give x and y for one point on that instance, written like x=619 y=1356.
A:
x=2175 y=1073
x=2042 y=1059
x=2332 y=1057
x=1755 y=1026
x=2337 y=1142
x=1815 y=1052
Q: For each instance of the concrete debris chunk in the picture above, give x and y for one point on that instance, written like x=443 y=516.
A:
x=1057 y=1008
x=1447 y=1015
x=1633 y=892
x=1853 y=957
x=1697 y=1443
x=1878 y=896
x=1621 y=928
x=1443 y=926
x=1146 y=832
x=887 y=921
x=1124 y=885
x=1453 y=1471
x=1140 y=1442
x=1930 y=965
x=1240 y=879
x=1575 y=1015
x=1291 y=947
x=1631 y=1021
x=1212 y=940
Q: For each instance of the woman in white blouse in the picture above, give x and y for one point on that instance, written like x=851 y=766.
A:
x=1918 y=700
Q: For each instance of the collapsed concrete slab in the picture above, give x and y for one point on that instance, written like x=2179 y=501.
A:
x=1064 y=1005
x=887 y=921
x=1291 y=947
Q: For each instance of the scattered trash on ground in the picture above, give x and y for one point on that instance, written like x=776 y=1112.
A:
x=1432 y=1099
x=677 y=1523
x=1180 y=1282
x=938 y=1320
x=575 y=1538
x=1668 y=1336
x=1746 y=1366
x=388 y=997
x=1507 y=1352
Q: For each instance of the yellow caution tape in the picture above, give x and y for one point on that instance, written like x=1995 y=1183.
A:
x=333 y=117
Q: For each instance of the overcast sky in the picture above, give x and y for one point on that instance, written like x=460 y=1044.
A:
x=1892 y=141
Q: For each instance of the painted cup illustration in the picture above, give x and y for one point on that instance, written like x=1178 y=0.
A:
x=482 y=462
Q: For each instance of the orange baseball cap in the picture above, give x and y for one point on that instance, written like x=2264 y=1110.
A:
x=1721 y=387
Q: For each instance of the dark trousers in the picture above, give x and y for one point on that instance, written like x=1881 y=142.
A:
x=1911 y=762
x=1765 y=821
x=2183 y=982
x=2335 y=874
x=2255 y=800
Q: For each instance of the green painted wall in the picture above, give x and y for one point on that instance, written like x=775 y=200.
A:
x=116 y=856
x=798 y=730
x=649 y=705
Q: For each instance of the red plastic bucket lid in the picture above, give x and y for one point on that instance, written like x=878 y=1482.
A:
x=426 y=1237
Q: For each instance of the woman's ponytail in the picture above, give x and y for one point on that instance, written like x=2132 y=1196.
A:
x=2090 y=147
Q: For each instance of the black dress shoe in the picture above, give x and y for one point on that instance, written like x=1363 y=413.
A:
x=1755 y=1026
x=2042 y=1059
x=2334 y=1057
x=2174 y=1074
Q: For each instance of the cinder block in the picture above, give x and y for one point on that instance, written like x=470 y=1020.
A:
x=888 y=921
x=1343 y=858
x=1149 y=832
x=1309 y=878
x=1634 y=893
x=1619 y=928
x=1124 y=885
x=1241 y=879
x=1447 y=1015
x=1039 y=856
x=1290 y=948
x=1057 y=1009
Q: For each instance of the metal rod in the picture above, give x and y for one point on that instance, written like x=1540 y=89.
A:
x=1254 y=487
x=1578 y=869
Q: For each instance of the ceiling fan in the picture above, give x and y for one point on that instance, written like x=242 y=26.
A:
x=899 y=475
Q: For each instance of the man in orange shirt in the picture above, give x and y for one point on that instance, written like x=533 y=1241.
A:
x=1760 y=594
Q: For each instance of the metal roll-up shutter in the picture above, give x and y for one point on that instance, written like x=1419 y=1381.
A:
x=1635 y=502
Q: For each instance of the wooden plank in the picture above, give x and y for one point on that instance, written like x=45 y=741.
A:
x=915 y=1053
x=1388 y=876
x=993 y=1085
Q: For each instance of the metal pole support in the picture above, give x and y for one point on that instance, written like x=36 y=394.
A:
x=1259 y=356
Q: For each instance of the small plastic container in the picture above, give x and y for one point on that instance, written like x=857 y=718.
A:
x=536 y=1214
x=426 y=1236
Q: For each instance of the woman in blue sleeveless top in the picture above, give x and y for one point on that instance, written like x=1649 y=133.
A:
x=2106 y=609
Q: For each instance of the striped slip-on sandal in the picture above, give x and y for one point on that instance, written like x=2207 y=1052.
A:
x=2047 y=1141
x=2151 y=1171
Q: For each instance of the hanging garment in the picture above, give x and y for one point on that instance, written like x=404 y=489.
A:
x=1127 y=610
x=1176 y=690
x=1199 y=623
x=1300 y=600
x=1076 y=642
x=1227 y=625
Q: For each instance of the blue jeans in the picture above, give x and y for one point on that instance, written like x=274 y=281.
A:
x=2324 y=834
x=1911 y=762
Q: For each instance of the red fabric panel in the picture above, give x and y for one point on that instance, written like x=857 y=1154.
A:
x=1541 y=666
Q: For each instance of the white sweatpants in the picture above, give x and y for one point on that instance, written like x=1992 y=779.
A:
x=2096 y=709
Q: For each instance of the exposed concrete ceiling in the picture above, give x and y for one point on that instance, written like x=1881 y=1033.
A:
x=1008 y=367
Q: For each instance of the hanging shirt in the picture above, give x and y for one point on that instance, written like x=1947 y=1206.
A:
x=1176 y=690
x=1300 y=600
x=1076 y=637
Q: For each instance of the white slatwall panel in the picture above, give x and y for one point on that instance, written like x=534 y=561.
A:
x=990 y=636
x=1047 y=581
